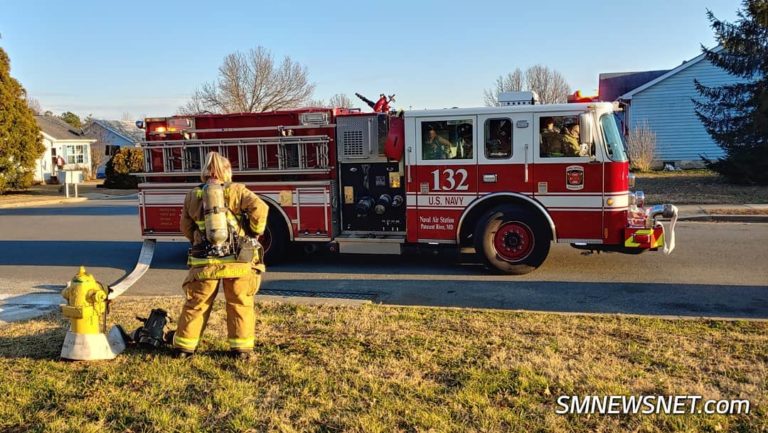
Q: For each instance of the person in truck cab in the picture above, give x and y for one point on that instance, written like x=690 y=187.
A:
x=436 y=147
x=570 y=140
x=550 y=144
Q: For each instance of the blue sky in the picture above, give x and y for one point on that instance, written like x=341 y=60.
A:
x=107 y=58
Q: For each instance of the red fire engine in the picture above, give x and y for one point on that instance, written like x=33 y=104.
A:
x=506 y=181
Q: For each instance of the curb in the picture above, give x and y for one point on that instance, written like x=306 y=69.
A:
x=727 y=218
x=306 y=300
x=27 y=306
x=43 y=202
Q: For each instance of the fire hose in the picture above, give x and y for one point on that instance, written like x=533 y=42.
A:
x=666 y=211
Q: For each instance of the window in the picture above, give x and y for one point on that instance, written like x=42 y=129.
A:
x=612 y=138
x=111 y=149
x=75 y=154
x=447 y=139
x=498 y=138
x=559 y=137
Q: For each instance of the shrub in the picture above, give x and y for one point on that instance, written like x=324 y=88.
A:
x=119 y=168
x=642 y=147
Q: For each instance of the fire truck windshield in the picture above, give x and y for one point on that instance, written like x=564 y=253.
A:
x=612 y=138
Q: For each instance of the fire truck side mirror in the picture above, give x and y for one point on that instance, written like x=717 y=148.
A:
x=585 y=129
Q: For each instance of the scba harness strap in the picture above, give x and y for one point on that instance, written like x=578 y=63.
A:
x=246 y=250
x=199 y=190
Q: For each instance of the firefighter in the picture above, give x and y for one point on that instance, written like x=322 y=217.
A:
x=221 y=252
x=570 y=140
x=550 y=139
x=436 y=147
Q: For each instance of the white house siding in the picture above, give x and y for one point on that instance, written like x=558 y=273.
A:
x=44 y=165
x=669 y=111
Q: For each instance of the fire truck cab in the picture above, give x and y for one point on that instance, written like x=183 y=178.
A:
x=506 y=181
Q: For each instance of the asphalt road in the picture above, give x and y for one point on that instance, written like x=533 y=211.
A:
x=717 y=270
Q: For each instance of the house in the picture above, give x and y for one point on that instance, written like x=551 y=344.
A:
x=664 y=101
x=614 y=84
x=110 y=135
x=61 y=140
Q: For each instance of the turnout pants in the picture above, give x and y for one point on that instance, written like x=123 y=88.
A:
x=239 y=282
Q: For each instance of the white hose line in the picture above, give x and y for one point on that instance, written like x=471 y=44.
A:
x=142 y=266
x=669 y=241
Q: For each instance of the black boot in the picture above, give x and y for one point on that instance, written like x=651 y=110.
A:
x=181 y=354
x=243 y=356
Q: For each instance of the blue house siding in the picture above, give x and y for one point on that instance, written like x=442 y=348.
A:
x=118 y=140
x=668 y=108
x=112 y=133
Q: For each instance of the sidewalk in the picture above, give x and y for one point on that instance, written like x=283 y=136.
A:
x=44 y=195
x=750 y=213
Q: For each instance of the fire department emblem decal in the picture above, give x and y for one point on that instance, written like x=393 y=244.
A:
x=574 y=177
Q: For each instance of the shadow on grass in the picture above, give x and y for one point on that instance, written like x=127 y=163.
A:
x=656 y=299
x=44 y=343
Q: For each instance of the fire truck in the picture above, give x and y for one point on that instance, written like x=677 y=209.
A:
x=384 y=182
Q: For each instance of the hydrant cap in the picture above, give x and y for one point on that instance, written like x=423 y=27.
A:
x=83 y=276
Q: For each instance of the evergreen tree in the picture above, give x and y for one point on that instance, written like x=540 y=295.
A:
x=71 y=118
x=20 y=141
x=736 y=115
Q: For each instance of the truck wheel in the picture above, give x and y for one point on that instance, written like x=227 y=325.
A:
x=512 y=240
x=275 y=238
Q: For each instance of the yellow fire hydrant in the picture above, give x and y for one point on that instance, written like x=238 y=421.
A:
x=86 y=309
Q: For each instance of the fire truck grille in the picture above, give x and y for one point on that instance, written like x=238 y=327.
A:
x=363 y=296
x=353 y=143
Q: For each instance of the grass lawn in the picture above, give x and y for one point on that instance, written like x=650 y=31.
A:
x=696 y=187
x=388 y=369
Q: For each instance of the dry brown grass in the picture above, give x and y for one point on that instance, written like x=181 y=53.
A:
x=737 y=211
x=696 y=187
x=386 y=369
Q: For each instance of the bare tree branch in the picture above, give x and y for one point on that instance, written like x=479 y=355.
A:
x=34 y=105
x=549 y=84
x=340 y=100
x=250 y=82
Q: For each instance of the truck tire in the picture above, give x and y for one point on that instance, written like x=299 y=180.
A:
x=275 y=238
x=512 y=240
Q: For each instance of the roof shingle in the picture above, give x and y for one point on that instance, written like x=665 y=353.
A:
x=59 y=129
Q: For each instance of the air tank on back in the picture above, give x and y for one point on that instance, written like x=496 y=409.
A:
x=215 y=211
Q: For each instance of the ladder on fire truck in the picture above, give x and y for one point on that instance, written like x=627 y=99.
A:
x=273 y=155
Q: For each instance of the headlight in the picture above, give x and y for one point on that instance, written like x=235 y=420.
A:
x=640 y=199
